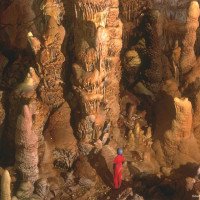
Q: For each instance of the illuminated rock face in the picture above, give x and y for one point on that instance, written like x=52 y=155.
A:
x=5 y=186
x=97 y=71
x=182 y=125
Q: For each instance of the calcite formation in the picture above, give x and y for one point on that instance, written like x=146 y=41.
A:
x=26 y=142
x=23 y=93
x=181 y=126
x=97 y=63
x=29 y=85
x=152 y=26
x=178 y=142
x=188 y=57
x=49 y=57
x=5 y=186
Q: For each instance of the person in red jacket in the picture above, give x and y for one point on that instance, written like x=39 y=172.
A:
x=117 y=167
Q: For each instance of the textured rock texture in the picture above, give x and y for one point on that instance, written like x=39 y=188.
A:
x=152 y=26
x=188 y=57
x=96 y=70
x=49 y=57
x=26 y=142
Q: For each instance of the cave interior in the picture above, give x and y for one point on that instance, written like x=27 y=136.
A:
x=81 y=78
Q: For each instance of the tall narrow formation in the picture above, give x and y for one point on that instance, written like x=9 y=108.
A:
x=49 y=57
x=114 y=64
x=26 y=141
x=5 y=186
x=97 y=71
x=153 y=34
x=188 y=57
x=181 y=126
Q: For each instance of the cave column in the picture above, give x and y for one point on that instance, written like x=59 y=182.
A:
x=97 y=70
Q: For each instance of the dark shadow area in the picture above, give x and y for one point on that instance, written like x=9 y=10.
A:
x=99 y=164
x=164 y=113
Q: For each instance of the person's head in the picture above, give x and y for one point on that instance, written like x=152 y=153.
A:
x=119 y=151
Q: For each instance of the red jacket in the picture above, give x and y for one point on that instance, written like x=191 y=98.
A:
x=118 y=161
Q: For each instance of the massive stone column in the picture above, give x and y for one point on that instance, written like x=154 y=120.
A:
x=97 y=70
x=49 y=57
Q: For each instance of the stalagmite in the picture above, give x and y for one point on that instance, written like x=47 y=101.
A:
x=188 y=57
x=26 y=142
x=182 y=125
x=30 y=83
x=5 y=186
x=34 y=42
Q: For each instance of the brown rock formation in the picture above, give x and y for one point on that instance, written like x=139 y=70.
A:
x=176 y=145
x=16 y=19
x=49 y=57
x=188 y=57
x=94 y=68
x=153 y=25
x=26 y=142
x=181 y=126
